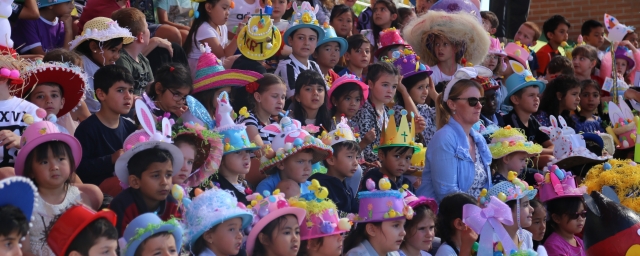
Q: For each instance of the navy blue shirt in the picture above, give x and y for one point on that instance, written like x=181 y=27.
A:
x=341 y=194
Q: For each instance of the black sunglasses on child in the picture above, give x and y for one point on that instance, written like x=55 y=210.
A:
x=574 y=216
x=473 y=101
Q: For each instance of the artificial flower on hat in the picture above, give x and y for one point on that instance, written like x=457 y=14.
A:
x=304 y=16
x=71 y=223
x=208 y=150
x=509 y=140
x=408 y=63
x=621 y=175
x=147 y=225
x=102 y=29
x=210 y=74
x=557 y=183
x=380 y=205
x=342 y=132
x=260 y=39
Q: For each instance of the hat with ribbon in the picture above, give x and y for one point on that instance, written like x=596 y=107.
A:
x=625 y=54
x=260 y=39
x=617 y=31
x=408 y=63
x=210 y=74
x=489 y=222
x=518 y=52
x=389 y=37
x=234 y=135
x=304 y=16
x=505 y=191
x=496 y=47
x=465 y=73
x=331 y=36
x=147 y=225
x=346 y=79
x=71 y=222
x=382 y=205
x=102 y=29
x=322 y=217
x=520 y=79
x=556 y=183
x=21 y=193
x=509 y=140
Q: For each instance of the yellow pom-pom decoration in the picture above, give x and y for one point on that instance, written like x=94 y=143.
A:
x=254 y=202
x=259 y=197
x=483 y=193
x=243 y=112
x=502 y=197
x=530 y=188
x=177 y=192
x=28 y=119
x=499 y=247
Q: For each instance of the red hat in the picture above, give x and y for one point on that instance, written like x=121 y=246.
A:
x=486 y=83
x=72 y=222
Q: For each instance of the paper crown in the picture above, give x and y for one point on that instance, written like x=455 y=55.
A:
x=101 y=29
x=147 y=225
x=260 y=39
x=388 y=38
x=619 y=174
x=235 y=136
x=210 y=74
x=408 y=63
x=556 y=183
x=304 y=16
x=348 y=78
x=401 y=136
x=496 y=47
x=342 y=133
x=508 y=140
x=290 y=138
x=208 y=154
x=519 y=52
x=617 y=31
x=381 y=205
x=70 y=223
x=512 y=189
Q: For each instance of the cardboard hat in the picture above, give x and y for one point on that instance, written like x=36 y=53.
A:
x=304 y=16
x=260 y=39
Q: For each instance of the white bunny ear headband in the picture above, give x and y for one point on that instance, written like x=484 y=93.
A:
x=466 y=73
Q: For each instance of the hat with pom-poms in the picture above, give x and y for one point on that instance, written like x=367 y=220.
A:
x=389 y=37
x=556 y=183
x=20 y=192
x=260 y=39
x=322 y=217
x=210 y=74
x=382 y=204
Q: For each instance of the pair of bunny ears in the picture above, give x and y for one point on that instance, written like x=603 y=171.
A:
x=466 y=73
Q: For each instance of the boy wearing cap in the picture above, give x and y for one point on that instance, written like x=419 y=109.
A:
x=53 y=30
x=17 y=200
x=80 y=231
x=490 y=105
x=329 y=51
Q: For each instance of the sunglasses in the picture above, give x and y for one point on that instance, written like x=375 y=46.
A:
x=473 y=101
x=582 y=214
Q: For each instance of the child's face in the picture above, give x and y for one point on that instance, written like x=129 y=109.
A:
x=272 y=100
x=423 y=236
x=103 y=56
x=359 y=57
x=571 y=100
x=526 y=213
x=389 y=235
x=11 y=245
x=525 y=35
x=189 y=153
x=348 y=104
x=217 y=93
x=172 y=100
x=572 y=223
x=590 y=99
x=160 y=245
x=238 y=162
x=311 y=97
x=382 y=16
x=120 y=98
x=528 y=101
x=384 y=89
x=516 y=161
x=561 y=34
x=422 y=6
x=219 y=13
x=621 y=66
x=279 y=7
x=490 y=103
x=394 y=163
x=583 y=65
x=225 y=238
x=328 y=55
x=595 y=38
x=538 y=223
x=343 y=24
x=303 y=42
x=104 y=246
x=297 y=167
x=444 y=49
x=633 y=38
x=48 y=97
x=345 y=163
x=486 y=24
x=53 y=171
x=63 y=8
x=420 y=92
x=285 y=240
x=155 y=181
x=491 y=61
x=331 y=246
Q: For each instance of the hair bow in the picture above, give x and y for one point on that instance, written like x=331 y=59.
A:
x=487 y=222
x=466 y=73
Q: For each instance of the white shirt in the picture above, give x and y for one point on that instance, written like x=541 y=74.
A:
x=293 y=64
x=438 y=76
x=11 y=118
x=206 y=31
x=237 y=14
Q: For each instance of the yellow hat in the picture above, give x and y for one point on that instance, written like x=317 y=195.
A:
x=402 y=136
x=508 y=140
x=260 y=39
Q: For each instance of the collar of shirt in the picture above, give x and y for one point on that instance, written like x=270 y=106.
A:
x=299 y=64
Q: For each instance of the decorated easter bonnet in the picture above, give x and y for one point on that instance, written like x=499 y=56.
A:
x=408 y=63
x=42 y=132
x=505 y=191
x=69 y=77
x=381 y=205
x=70 y=223
x=266 y=208
x=487 y=83
x=519 y=52
x=623 y=123
x=556 y=183
x=465 y=73
x=496 y=47
x=290 y=137
x=234 y=135
x=304 y=16
x=621 y=175
x=10 y=68
x=102 y=29
x=520 y=79
x=146 y=138
x=210 y=74
x=211 y=208
x=389 y=37
x=349 y=78
x=147 y=225
x=208 y=154
x=508 y=140
x=331 y=36
x=617 y=31
x=260 y=39
x=401 y=136
x=21 y=193
x=457 y=6
x=414 y=201
x=321 y=217
x=625 y=54
x=343 y=132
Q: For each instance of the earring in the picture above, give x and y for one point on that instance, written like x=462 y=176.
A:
x=94 y=51
x=454 y=112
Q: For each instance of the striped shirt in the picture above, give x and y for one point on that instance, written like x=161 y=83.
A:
x=252 y=120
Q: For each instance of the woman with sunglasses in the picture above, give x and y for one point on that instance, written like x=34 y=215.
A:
x=168 y=92
x=458 y=157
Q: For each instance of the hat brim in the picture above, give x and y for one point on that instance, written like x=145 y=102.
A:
x=253 y=235
x=413 y=73
x=320 y=153
x=535 y=149
x=292 y=29
x=364 y=87
x=226 y=78
x=268 y=53
x=341 y=41
x=574 y=161
x=106 y=214
x=630 y=62
x=500 y=52
x=174 y=230
x=416 y=149
x=19 y=192
x=122 y=170
x=376 y=54
x=541 y=87
x=237 y=213
x=375 y=220
x=126 y=39
x=72 y=84
x=74 y=144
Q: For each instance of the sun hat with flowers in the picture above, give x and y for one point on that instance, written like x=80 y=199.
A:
x=208 y=154
x=509 y=140
x=102 y=29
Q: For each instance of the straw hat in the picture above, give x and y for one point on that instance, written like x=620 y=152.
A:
x=102 y=29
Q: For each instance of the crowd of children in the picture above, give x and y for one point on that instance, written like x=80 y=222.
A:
x=281 y=127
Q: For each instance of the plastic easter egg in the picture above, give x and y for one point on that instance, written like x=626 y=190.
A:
x=483 y=193
x=298 y=142
x=343 y=224
x=475 y=246
x=502 y=197
x=177 y=192
x=272 y=199
x=186 y=202
x=538 y=177
x=288 y=146
x=606 y=166
x=263 y=211
x=280 y=152
x=559 y=173
x=547 y=178
x=270 y=154
x=266 y=193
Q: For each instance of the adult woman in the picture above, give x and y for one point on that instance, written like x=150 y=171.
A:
x=458 y=157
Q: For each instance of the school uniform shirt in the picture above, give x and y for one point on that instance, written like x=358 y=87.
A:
x=252 y=120
x=290 y=68
x=375 y=175
x=12 y=112
x=140 y=70
x=178 y=10
x=341 y=194
x=237 y=13
x=206 y=31
x=532 y=130
x=282 y=25
x=29 y=34
x=544 y=55
x=437 y=75
x=130 y=204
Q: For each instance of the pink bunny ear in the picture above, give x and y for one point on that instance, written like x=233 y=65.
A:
x=166 y=128
x=554 y=121
x=145 y=117
x=272 y=129
x=546 y=130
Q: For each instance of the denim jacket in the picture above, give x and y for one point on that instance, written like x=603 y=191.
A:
x=449 y=168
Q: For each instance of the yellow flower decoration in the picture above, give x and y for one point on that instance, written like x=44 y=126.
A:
x=526 y=48
x=306 y=18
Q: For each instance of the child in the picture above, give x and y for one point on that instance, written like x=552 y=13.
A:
x=562 y=98
x=390 y=42
x=341 y=165
x=329 y=52
x=317 y=238
x=16 y=208
x=384 y=16
x=357 y=57
x=538 y=222
x=236 y=160
x=512 y=156
x=48 y=32
x=405 y=15
x=145 y=170
x=382 y=81
x=556 y=29
x=592 y=32
x=103 y=133
x=209 y=27
x=310 y=100
x=489 y=22
x=149 y=235
x=421 y=228
x=346 y=95
x=82 y=231
x=170 y=89
x=290 y=188
x=275 y=232
x=587 y=119
x=175 y=14
x=566 y=213
x=48 y=159
x=214 y=223
x=497 y=63
x=528 y=34
x=131 y=56
x=99 y=49
x=44 y=88
x=259 y=52
x=488 y=114
x=279 y=9
x=302 y=37
x=266 y=97
x=561 y=65
x=456 y=236
x=238 y=12
x=291 y=154
x=377 y=232
x=585 y=58
x=626 y=60
x=342 y=20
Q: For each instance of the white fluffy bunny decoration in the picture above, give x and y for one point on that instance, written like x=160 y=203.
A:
x=5 y=27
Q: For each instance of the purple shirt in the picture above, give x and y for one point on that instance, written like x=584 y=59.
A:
x=29 y=34
x=557 y=246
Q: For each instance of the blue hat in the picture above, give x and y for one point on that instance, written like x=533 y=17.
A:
x=197 y=114
x=331 y=36
x=147 y=225
x=211 y=208
x=19 y=192
x=521 y=78
x=304 y=16
x=235 y=136
x=45 y=3
x=510 y=190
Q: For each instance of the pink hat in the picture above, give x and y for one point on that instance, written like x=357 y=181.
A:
x=414 y=201
x=556 y=183
x=322 y=214
x=496 y=48
x=349 y=78
x=41 y=132
x=388 y=38
x=266 y=208
x=210 y=74
x=519 y=52
x=382 y=205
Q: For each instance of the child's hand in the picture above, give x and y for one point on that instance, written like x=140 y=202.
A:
x=370 y=136
x=116 y=155
x=242 y=23
x=421 y=124
x=401 y=88
x=9 y=139
x=181 y=110
x=163 y=43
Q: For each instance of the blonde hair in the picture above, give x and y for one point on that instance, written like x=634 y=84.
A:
x=442 y=111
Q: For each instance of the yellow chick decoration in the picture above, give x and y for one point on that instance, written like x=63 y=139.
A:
x=227 y=146
x=512 y=175
x=483 y=193
x=384 y=183
x=344 y=224
x=243 y=112
x=276 y=192
x=322 y=193
x=315 y=185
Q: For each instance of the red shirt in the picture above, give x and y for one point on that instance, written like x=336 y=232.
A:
x=544 y=56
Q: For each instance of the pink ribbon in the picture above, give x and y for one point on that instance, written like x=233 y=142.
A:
x=487 y=222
